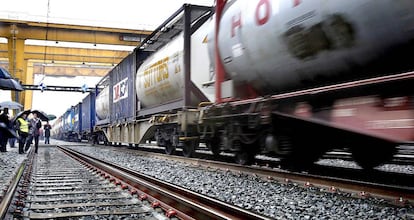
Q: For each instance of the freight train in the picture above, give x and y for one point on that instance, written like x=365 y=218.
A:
x=292 y=79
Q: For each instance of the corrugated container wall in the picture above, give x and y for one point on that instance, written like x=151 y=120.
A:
x=122 y=93
x=67 y=120
x=77 y=123
x=88 y=112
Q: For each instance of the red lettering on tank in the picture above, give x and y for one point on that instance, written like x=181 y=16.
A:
x=296 y=2
x=235 y=22
x=260 y=18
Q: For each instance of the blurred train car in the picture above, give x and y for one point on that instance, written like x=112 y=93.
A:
x=286 y=78
x=87 y=117
x=121 y=116
x=77 y=123
x=70 y=124
x=56 y=131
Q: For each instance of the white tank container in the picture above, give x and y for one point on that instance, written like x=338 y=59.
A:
x=102 y=104
x=275 y=45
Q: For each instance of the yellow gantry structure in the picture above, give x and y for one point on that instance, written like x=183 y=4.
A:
x=23 y=60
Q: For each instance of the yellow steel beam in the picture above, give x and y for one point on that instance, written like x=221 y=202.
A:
x=62 y=69
x=68 y=54
x=70 y=33
x=78 y=70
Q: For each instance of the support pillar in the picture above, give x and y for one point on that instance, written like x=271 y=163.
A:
x=18 y=67
x=28 y=79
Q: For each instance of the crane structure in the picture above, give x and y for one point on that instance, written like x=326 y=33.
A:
x=24 y=61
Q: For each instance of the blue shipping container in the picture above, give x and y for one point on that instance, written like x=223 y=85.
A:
x=122 y=93
x=88 y=113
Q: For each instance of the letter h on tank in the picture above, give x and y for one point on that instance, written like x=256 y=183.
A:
x=235 y=22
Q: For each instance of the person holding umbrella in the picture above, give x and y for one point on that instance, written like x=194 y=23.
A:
x=4 y=118
x=11 y=105
x=34 y=131
x=23 y=131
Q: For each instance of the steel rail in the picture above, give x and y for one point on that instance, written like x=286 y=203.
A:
x=393 y=194
x=11 y=190
x=189 y=204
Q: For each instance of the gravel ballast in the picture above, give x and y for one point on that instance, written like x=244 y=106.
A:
x=270 y=198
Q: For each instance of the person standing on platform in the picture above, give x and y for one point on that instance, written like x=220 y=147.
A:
x=47 y=128
x=23 y=130
x=4 y=118
x=14 y=127
x=34 y=131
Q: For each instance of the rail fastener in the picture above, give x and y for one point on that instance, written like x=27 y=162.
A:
x=171 y=213
x=19 y=203
x=143 y=197
x=333 y=189
x=308 y=184
x=133 y=191
x=17 y=212
x=364 y=194
x=155 y=204
x=401 y=201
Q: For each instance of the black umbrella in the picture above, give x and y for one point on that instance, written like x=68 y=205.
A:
x=7 y=82
x=10 y=84
x=10 y=133
x=18 y=115
x=41 y=115
x=10 y=105
x=4 y=74
x=51 y=117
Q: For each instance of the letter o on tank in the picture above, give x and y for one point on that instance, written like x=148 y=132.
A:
x=262 y=19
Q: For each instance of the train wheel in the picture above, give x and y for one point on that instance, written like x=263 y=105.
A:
x=214 y=146
x=370 y=155
x=215 y=149
x=169 y=148
x=304 y=152
x=301 y=160
x=189 y=148
x=244 y=157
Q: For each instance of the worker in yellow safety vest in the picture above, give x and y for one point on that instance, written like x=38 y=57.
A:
x=23 y=130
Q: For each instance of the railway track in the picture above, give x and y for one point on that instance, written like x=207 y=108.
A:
x=404 y=156
x=393 y=188
x=64 y=184
x=378 y=177
x=377 y=180
x=279 y=183
x=57 y=186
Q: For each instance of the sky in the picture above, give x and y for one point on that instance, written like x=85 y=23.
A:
x=131 y=14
